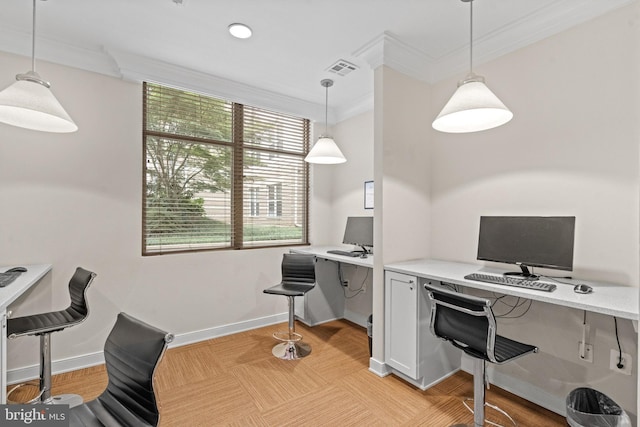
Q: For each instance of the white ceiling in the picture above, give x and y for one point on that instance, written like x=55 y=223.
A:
x=293 y=43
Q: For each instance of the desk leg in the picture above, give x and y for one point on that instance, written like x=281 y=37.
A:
x=325 y=302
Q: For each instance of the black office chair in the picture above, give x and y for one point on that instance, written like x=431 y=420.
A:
x=132 y=352
x=298 y=278
x=45 y=324
x=469 y=324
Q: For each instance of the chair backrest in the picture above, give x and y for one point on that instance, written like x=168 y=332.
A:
x=465 y=320
x=299 y=268
x=132 y=353
x=78 y=286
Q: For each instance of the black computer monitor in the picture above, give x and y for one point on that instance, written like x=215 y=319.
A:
x=528 y=241
x=359 y=232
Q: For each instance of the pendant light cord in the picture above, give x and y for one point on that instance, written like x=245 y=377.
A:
x=326 y=108
x=33 y=39
x=470 y=37
x=326 y=83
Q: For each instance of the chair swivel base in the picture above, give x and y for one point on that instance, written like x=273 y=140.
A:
x=61 y=399
x=66 y=399
x=291 y=347
x=291 y=350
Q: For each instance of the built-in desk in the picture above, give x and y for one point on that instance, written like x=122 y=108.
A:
x=8 y=295
x=614 y=300
x=323 y=252
x=326 y=301
x=411 y=352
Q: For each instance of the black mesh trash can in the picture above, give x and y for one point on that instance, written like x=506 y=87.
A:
x=370 y=332
x=587 y=407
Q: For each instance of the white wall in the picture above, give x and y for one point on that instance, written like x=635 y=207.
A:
x=76 y=200
x=571 y=149
x=402 y=175
x=342 y=190
x=354 y=136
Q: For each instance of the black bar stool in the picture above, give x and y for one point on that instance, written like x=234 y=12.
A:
x=44 y=324
x=298 y=278
x=469 y=324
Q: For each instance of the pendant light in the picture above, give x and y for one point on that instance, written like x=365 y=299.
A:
x=325 y=151
x=473 y=107
x=28 y=103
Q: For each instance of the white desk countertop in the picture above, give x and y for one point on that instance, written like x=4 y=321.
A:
x=321 y=251
x=614 y=300
x=11 y=292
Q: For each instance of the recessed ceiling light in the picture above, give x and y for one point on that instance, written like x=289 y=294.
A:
x=240 y=31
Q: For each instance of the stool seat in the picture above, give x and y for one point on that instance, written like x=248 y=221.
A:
x=37 y=324
x=290 y=289
x=298 y=278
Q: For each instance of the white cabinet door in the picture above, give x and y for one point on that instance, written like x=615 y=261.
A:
x=401 y=323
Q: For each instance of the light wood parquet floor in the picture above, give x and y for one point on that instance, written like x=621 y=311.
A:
x=235 y=381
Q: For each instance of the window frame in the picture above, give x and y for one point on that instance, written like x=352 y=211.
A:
x=240 y=152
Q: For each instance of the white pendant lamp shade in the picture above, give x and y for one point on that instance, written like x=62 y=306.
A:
x=472 y=108
x=32 y=105
x=325 y=152
x=28 y=103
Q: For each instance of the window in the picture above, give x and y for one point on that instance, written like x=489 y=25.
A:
x=255 y=202
x=275 y=200
x=209 y=166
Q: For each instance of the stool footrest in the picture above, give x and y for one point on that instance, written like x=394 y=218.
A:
x=494 y=407
x=287 y=336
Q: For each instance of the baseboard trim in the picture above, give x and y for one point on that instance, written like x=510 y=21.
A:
x=232 y=328
x=357 y=318
x=27 y=373
x=379 y=368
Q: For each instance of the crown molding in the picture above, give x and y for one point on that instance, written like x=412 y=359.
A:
x=132 y=67
x=96 y=60
x=355 y=107
x=140 y=68
x=527 y=30
x=387 y=49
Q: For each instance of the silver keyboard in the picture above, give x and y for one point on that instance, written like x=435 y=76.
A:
x=344 y=253
x=511 y=281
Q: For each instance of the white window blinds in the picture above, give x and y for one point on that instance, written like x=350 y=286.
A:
x=220 y=174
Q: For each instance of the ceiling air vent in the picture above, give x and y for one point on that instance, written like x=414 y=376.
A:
x=342 y=68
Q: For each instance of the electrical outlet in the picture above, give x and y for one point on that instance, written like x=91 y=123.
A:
x=345 y=283
x=588 y=352
x=627 y=362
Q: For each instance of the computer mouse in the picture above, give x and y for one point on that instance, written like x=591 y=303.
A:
x=363 y=256
x=581 y=288
x=16 y=270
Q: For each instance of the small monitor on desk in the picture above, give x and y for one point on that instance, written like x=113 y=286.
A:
x=359 y=232
x=528 y=241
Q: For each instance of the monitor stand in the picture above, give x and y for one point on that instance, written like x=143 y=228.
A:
x=365 y=250
x=525 y=273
